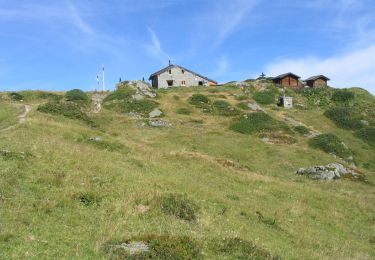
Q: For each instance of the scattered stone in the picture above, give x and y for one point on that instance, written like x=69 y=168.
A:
x=134 y=115
x=254 y=107
x=133 y=248
x=143 y=209
x=96 y=139
x=365 y=123
x=155 y=113
x=159 y=123
x=331 y=171
x=138 y=97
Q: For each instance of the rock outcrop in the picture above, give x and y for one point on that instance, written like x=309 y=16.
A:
x=331 y=171
x=142 y=89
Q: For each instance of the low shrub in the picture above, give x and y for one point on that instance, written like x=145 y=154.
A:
x=10 y=155
x=175 y=97
x=255 y=123
x=159 y=247
x=143 y=107
x=330 y=143
x=139 y=106
x=236 y=248
x=199 y=100
x=342 y=96
x=367 y=135
x=16 y=96
x=37 y=95
x=318 y=96
x=103 y=144
x=76 y=95
x=179 y=206
x=241 y=97
x=303 y=130
x=223 y=108
x=344 y=117
x=88 y=199
x=184 y=111
x=68 y=109
x=243 y=106
x=124 y=93
x=265 y=97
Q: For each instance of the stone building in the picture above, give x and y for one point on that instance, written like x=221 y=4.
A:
x=177 y=76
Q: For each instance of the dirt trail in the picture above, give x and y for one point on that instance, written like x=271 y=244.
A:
x=97 y=100
x=21 y=118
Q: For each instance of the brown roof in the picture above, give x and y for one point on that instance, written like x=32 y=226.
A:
x=286 y=75
x=317 y=77
x=173 y=66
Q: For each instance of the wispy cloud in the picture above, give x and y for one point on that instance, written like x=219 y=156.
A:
x=154 y=48
x=353 y=69
x=229 y=15
x=48 y=14
x=77 y=19
x=222 y=66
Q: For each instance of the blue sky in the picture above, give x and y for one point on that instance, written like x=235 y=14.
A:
x=61 y=44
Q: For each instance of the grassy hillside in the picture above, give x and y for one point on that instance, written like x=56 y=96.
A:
x=199 y=189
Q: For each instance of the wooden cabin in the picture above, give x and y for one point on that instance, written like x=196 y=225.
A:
x=319 y=81
x=287 y=80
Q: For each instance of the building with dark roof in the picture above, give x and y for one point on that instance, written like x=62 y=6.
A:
x=178 y=76
x=319 y=81
x=287 y=80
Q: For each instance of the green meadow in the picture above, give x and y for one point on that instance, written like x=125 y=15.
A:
x=75 y=184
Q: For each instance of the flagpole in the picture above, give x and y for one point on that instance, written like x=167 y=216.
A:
x=103 y=78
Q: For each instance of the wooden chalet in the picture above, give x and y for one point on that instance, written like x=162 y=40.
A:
x=319 y=81
x=287 y=80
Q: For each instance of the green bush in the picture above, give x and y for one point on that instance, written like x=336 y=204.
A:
x=303 y=130
x=125 y=93
x=342 y=96
x=223 y=108
x=102 y=144
x=16 y=96
x=68 y=109
x=36 y=95
x=318 y=96
x=243 y=106
x=236 y=248
x=199 y=100
x=265 y=98
x=179 y=206
x=367 y=135
x=160 y=247
x=330 y=143
x=76 y=95
x=255 y=123
x=345 y=117
x=184 y=111
x=241 y=97
x=143 y=107
x=88 y=199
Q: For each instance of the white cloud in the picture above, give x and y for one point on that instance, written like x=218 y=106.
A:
x=222 y=66
x=230 y=15
x=351 y=69
x=155 y=49
x=77 y=20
